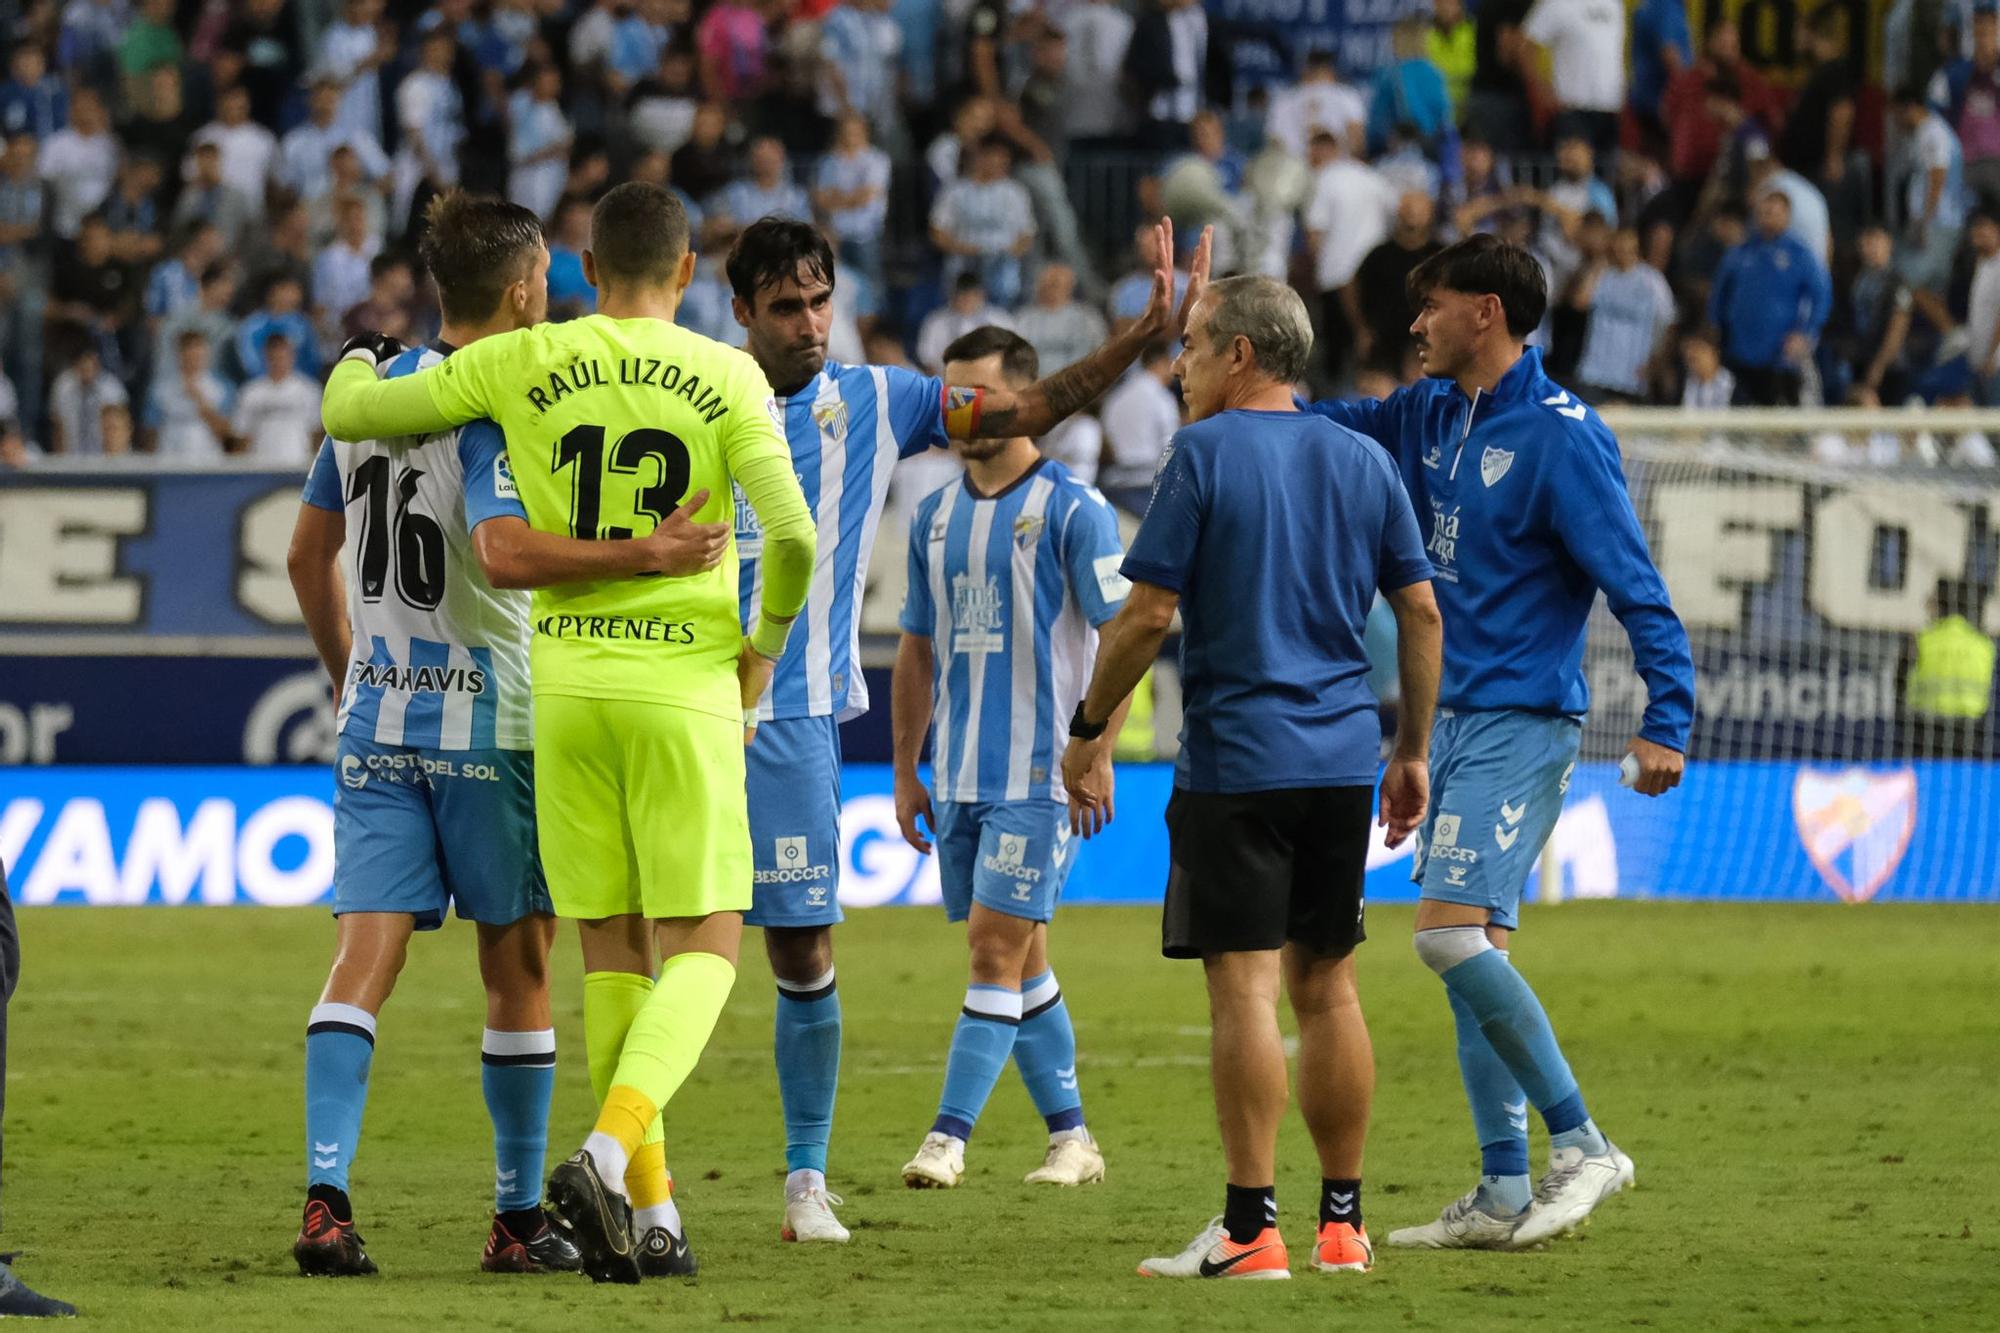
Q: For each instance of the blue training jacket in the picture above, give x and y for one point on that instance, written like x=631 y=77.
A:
x=1524 y=507
x=1764 y=291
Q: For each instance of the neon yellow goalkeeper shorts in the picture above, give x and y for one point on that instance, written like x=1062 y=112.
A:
x=640 y=808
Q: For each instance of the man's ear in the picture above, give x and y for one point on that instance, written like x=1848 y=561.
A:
x=685 y=275
x=741 y=309
x=590 y=268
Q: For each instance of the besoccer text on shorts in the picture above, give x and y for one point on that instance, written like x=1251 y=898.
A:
x=645 y=684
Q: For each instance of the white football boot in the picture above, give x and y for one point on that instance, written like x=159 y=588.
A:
x=1575 y=1184
x=1070 y=1161
x=938 y=1165
x=1213 y=1255
x=1463 y=1225
x=809 y=1217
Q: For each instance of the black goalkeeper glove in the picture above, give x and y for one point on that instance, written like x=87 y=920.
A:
x=377 y=349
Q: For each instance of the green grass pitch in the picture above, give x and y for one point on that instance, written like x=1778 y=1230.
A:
x=1811 y=1094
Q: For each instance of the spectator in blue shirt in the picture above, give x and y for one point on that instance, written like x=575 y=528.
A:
x=32 y=100
x=283 y=312
x=175 y=283
x=1661 y=48
x=305 y=155
x=1770 y=299
x=570 y=293
x=1408 y=90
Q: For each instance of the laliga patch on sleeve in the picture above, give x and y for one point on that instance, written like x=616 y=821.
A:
x=1110 y=583
x=503 y=479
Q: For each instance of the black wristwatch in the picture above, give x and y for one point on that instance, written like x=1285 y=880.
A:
x=1079 y=729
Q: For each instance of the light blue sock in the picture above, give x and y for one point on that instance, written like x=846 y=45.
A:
x=518 y=1074
x=980 y=1045
x=1499 y=1115
x=1045 y=1053
x=808 y=1047
x=340 y=1046
x=1515 y=1025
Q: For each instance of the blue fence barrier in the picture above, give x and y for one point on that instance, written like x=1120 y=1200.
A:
x=1735 y=830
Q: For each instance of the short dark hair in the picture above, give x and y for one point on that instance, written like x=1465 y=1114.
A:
x=772 y=249
x=476 y=247
x=1485 y=265
x=1910 y=93
x=385 y=261
x=638 y=233
x=1019 y=364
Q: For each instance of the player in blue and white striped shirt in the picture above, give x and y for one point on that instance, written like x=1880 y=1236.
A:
x=847 y=426
x=406 y=558
x=1012 y=569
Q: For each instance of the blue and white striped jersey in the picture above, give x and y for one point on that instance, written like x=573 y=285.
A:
x=846 y=430
x=440 y=656
x=1010 y=590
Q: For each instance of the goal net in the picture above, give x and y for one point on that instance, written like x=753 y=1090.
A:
x=1806 y=553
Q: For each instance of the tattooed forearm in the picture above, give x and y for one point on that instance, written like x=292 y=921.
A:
x=1036 y=409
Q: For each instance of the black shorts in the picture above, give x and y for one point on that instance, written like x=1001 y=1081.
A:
x=1258 y=870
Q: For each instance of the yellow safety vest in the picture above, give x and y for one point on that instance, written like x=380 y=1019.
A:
x=1953 y=675
x=1136 y=743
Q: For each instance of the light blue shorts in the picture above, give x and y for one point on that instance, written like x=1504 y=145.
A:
x=794 y=781
x=1497 y=786
x=418 y=830
x=1007 y=856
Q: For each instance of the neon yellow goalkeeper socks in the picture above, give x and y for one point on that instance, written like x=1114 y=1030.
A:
x=611 y=1000
x=664 y=1042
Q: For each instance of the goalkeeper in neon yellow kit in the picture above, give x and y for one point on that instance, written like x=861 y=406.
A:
x=644 y=688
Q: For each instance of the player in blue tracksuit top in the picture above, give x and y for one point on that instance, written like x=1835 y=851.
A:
x=1519 y=488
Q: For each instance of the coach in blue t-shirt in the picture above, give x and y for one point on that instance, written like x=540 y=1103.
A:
x=1271 y=531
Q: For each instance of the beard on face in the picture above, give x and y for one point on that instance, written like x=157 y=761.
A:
x=979 y=451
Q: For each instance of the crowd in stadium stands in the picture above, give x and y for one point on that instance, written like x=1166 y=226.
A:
x=200 y=198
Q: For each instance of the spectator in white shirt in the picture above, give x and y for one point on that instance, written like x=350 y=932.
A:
x=768 y=191
x=965 y=311
x=248 y=149
x=81 y=404
x=1982 y=315
x=432 y=117
x=277 y=414
x=1096 y=34
x=1586 y=44
x=985 y=223
x=1707 y=384
x=340 y=275
x=187 y=412
x=852 y=190
x=1318 y=101
x=1062 y=329
x=538 y=142
x=305 y=155
x=859 y=46
x=1631 y=307
x=1348 y=213
x=79 y=164
x=1140 y=418
x=352 y=50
